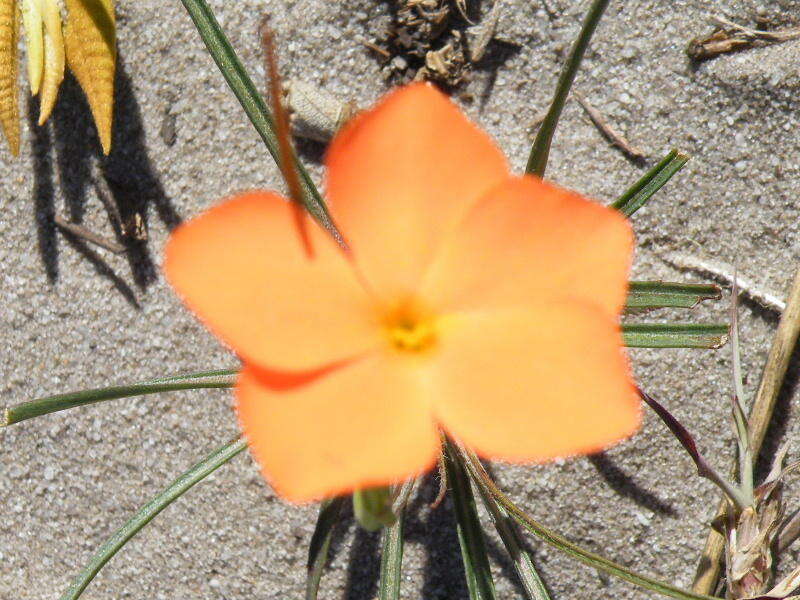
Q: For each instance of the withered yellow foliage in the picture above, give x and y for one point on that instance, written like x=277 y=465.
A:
x=87 y=44
x=91 y=55
x=53 y=59
x=32 y=21
x=9 y=92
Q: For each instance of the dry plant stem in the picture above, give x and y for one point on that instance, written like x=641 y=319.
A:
x=789 y=533
x=745 y=455
x=442 y=484
x=775 y=370
x=724 y=273
x=614 y=136
x=85 y=234
x=375 y=48
x=768 y=36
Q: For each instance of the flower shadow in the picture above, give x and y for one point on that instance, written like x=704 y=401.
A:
x=434 y=530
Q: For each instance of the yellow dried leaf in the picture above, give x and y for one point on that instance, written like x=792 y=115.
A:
x=9 y=92
x=34 y=41
x=91 y=55
x=53 y=59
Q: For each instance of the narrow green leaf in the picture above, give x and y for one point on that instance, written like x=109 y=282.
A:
x=252 y=102
x=643 y=295
x=392 y=553
x=640 y=192
x=146 y=514
x=470 y=533
x=223 y=378
x=329 y=512
x=674 y=335
x=540 y=151
x=523 y=562
x=596 y=561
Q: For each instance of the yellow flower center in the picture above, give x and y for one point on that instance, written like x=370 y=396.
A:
x=410 y=329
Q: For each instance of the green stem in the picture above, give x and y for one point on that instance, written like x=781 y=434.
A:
x=223 y=378
x=252 y=102
x=540 y=151
x=392 y=553
x=146 y=514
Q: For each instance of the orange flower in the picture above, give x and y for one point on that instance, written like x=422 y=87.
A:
x=470 y=299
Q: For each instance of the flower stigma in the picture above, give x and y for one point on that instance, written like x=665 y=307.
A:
x=410 y=329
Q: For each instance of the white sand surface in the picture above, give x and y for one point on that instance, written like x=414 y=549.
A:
x=74 y=316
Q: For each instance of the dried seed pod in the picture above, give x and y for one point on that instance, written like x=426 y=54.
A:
x=749 y=564
x=479 y=35
x=719 y=42
x=314 y=113
x=750 y=537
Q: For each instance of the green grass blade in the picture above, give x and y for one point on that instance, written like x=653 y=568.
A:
x=540 y=151
x=523 y=562
x=392 y=553
x=644 y=295
x=223 y=378
x=329 y=512
x=470 y=533
x=591 y=559
x=146 y=514
x=253 y=103
x=640 y=192
x=674 y=335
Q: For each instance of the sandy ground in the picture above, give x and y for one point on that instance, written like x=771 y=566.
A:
x=74 y=316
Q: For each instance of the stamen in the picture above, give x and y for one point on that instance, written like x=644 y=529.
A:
x=410 y=329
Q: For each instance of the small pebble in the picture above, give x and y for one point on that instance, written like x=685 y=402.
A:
x=49 y=473
x=399 y=63
x=168 y=131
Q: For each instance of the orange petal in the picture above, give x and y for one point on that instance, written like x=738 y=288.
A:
x=534 y=384
x=400 y=175
x=243 y=269
x=527 y=240
x=363 y=424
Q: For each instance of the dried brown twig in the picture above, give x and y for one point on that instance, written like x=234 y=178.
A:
x=783 y=35
x=614 y=136
x=86 y=234
x=729 y=37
